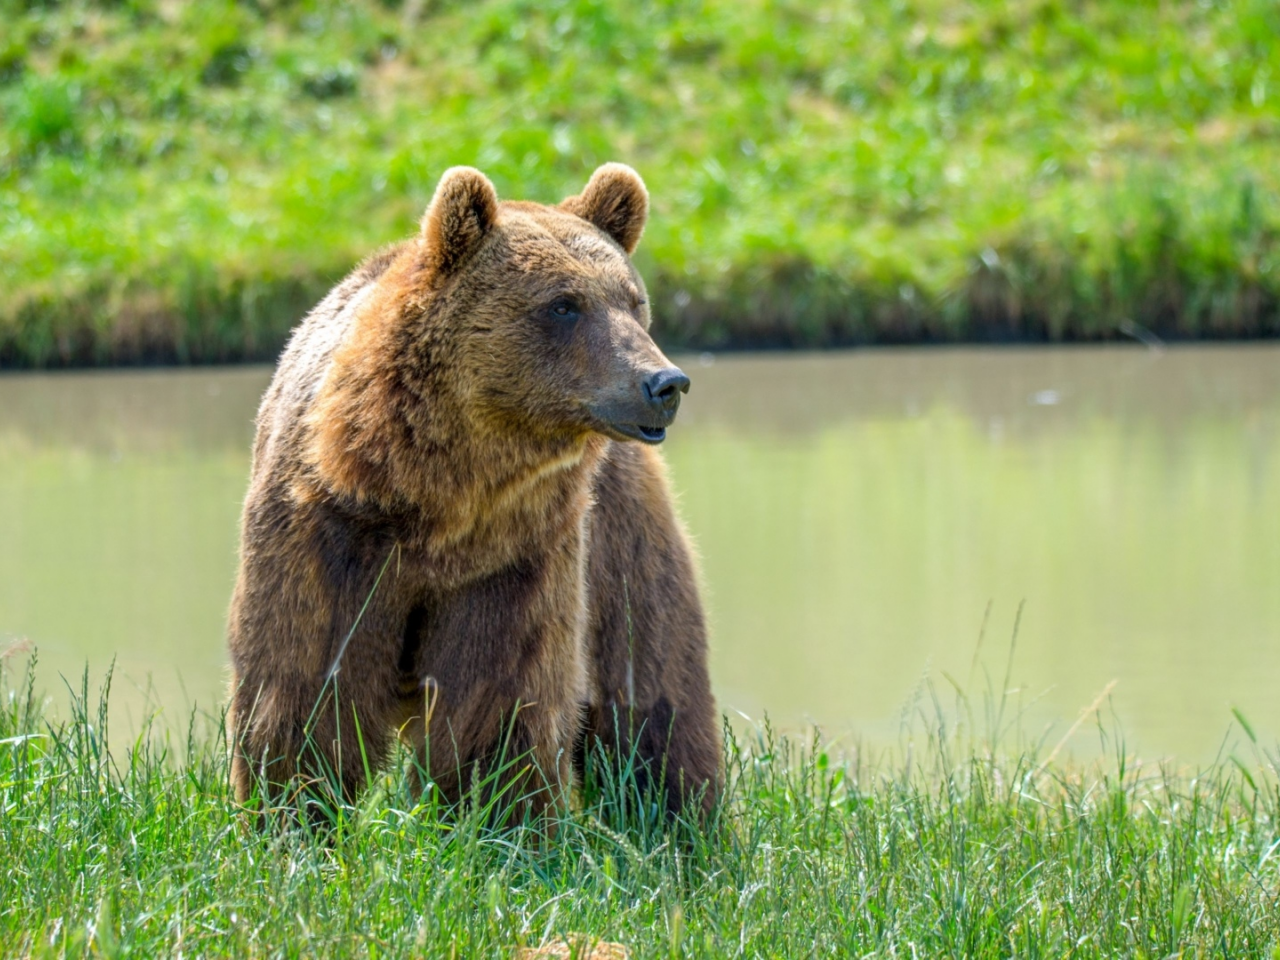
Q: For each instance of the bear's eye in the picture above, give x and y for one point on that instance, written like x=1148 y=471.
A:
x=564 y=309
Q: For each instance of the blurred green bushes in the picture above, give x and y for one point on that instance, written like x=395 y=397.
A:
x=179 y=181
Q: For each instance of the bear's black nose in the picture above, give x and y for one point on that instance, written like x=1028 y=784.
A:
x=663 y=389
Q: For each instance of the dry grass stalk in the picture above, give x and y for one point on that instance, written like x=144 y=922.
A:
x=576 y=947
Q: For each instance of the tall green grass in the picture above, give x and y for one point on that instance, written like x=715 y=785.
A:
x=970 y=842
x=179 y=181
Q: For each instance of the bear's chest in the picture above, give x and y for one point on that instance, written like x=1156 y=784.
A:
x=453 y=548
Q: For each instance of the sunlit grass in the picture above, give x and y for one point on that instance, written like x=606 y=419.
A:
x=968 y=841
x=180 y=181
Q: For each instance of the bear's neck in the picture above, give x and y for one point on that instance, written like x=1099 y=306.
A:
x=480 y=491
x=409 y=448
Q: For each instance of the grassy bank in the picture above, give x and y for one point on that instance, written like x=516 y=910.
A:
x=180 y=181
x=955 y=850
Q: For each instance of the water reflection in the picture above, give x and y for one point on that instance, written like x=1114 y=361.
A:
x=857 y=512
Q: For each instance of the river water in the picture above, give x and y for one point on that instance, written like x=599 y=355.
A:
x=859 y=515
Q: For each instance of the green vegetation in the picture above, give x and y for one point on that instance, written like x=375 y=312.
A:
x=960 y=849
x=181 y=181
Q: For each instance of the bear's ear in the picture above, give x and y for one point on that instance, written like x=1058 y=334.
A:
x=461 y=214
x=616 y=201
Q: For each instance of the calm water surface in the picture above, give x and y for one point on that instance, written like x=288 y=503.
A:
x=857 y=514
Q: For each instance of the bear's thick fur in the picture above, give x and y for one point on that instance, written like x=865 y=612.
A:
x=451 y=533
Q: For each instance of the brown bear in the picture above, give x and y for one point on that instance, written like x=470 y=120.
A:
x=458 y=528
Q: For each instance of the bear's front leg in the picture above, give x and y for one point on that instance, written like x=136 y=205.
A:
x=314 y=639
x=647 y=638
x=502 y=682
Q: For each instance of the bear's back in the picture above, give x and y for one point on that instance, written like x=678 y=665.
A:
x=307 y=356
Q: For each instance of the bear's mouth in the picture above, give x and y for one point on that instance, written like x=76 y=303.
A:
x=636 y=431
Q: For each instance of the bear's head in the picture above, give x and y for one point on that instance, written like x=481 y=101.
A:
x=513 y=325
x=543 y=310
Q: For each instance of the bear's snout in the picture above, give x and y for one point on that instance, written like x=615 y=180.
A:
x=662 y=390
x=644 y=407
x=661 y=399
